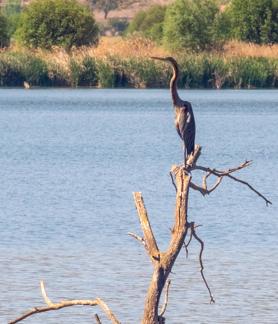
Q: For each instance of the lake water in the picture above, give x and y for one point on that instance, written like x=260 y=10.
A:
x=69 y=162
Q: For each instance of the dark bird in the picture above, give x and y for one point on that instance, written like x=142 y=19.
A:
x=184 y=117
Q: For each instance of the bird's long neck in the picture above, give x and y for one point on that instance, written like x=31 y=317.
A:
x=174 y=84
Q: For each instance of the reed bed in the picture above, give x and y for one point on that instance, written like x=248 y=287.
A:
x=118 y=62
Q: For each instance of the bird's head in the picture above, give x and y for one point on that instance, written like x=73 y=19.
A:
x=169 y=59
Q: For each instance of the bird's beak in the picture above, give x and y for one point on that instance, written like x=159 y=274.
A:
x=157 y=58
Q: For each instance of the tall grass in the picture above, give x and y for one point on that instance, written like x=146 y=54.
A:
x=15 y=68
x=127 y=64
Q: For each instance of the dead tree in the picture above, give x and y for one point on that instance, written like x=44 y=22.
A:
x=163 y=261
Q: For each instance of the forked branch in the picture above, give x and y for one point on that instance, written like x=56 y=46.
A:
x=67 y=303
x=220 y=174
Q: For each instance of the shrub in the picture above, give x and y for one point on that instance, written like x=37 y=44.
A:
x=105 y=74
x=45 y=23
x=11 y=10
x=10 y=71
x=118 y=25
x=192 y=24
x=75 y=70
x=4 y=32
x=15 y=68
x=88 y=75
x=191 y=71
x=144 y=73
x=255 y=20
x=250 y=72
x=34 y=70
x=149 y=23
x=58 y=75
x=83 y=73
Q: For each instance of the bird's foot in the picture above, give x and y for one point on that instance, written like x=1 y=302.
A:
x=186 y=168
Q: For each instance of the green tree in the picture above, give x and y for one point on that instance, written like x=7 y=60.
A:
x=4 y=33
x=108 y=5
x=11 y=10
x=149 y=22
x=11 y=7
x=192 y=24
x=255 y=20
x=66 y=23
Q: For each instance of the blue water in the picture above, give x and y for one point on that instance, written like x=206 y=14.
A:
x=69 y=162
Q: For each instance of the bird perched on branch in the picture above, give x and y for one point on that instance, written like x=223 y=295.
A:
x=184 y=117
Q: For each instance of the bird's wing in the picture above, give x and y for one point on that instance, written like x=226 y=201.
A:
x=187 y=129
x=190 y=138
x=182 y=122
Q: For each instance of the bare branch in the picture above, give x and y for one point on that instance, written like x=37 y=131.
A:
x=44 y=295
x=187 y=244
x=173 y=181
x=203 y=190
x=146 y=227
x=215 y=185
x=252 y=188
x=98 y=321
x=66 y=303
x=201 y=261
x=163 y=310
x=137 y=237
x=220 y=174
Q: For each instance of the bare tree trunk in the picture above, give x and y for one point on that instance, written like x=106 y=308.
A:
x=163 y=261
x=153 y=296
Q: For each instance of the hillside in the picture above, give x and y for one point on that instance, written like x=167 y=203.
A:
x=131 y=11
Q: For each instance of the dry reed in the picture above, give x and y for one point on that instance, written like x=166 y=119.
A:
x=236 y=48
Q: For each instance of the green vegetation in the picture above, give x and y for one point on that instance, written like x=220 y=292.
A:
x=65 y=23
x=193 y=31
x=197 y=71
x=149 y=23
x=4 y=32
x=15 y=68
x=11 y=11
x=192 y=24
x=255 y=20
x=118 y=25
x=201 y=25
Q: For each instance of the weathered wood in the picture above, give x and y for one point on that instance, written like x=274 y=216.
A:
x=167 y=259
x=181 y=179
x=67 y=303
x=149 y=238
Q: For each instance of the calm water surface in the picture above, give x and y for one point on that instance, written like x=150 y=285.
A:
x=69 y=162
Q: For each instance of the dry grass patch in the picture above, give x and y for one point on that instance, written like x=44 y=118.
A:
x=235 y=48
